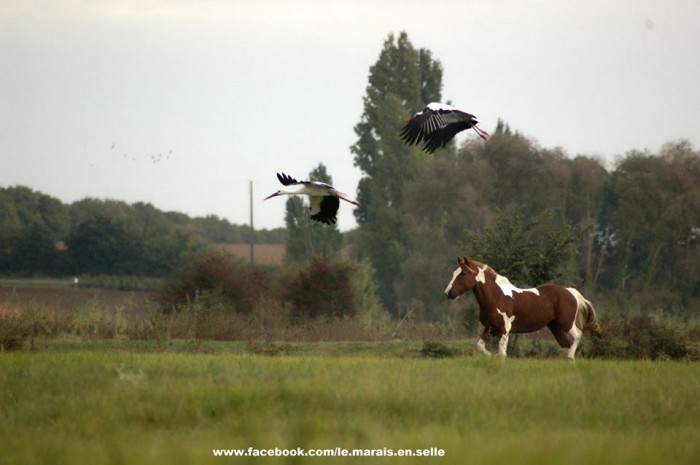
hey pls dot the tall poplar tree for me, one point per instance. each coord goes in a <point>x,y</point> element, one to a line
<point>401,82</point>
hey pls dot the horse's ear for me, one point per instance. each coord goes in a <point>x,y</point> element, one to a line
<point>465,264</point>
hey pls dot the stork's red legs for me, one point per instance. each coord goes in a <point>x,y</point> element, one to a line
<point>483,134</point>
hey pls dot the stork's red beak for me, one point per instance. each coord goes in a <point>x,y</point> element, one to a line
<point>347,199</point>
<point>272,195</point>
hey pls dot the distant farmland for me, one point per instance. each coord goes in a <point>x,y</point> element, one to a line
<point>265,254</point>
<point>66,298</point>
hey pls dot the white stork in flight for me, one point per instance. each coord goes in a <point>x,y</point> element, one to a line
<point>436,125</point>
<point>323,198</point>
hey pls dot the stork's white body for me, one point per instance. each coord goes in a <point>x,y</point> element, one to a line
<point>323,198</point>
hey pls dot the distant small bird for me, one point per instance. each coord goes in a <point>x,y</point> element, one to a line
<point>323,198</point>
<point>436,125</point>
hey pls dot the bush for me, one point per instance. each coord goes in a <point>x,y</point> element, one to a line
<point>438,350</point>
<point>641,336</point>
<point>322,288</point>
<point>18,326</point>
<point>236,284</point>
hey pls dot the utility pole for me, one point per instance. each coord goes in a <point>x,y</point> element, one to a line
<point>252,228</point>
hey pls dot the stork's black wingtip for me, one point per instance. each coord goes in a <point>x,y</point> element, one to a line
<point>285,179</point>
<point>324,219</point>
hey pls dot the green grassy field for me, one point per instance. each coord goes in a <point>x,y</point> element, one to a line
<point>108,404</point>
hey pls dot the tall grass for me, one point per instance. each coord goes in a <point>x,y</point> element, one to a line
<point>24,325</point>
<point>31,315</point>
<point>204,318</point>
<point>103,407</point>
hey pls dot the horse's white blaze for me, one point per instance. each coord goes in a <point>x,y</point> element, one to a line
<point>508,288</point>
<point>503,341</point>
<point>454,276</point>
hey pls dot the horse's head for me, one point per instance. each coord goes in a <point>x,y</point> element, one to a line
<point>464,278</point>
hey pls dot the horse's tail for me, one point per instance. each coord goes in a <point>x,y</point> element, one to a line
<point>585,316</point>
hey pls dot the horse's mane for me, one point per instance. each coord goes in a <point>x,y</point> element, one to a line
<point>487,268</point>
<point>503,282</point>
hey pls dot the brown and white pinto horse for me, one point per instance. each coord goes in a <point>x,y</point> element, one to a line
<point>505,309</point>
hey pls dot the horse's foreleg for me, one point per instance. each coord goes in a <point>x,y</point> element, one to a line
<point>483,341</point>
<point>503,341</point>
<point>503,345</point>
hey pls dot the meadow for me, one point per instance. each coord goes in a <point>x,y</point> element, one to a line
<point>110,402</point>
<point>99,377</point>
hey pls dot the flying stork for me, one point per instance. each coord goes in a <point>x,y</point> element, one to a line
<point>437,124</point>
<point>323,198</point>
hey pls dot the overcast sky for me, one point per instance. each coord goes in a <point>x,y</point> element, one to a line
<point>181,103</point>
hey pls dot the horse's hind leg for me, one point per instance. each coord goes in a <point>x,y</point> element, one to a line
<point>575,335</point>
<point>567,339</point>
<point>559,334</point>
<point>483,342</point>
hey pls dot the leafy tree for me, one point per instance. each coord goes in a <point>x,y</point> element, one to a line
<point>103,245</point>
<point>163,247</point>
<point>449,199</point>
<point>89,208</point>
<point>652,213</point>
<point>23,207</point>
<point>30,225</point>
<point>307,238</point>
<point>34,251</point>
<point>524,173</point>
<point>402,81</point>
<point>527,251</point>
<point>584,201</point>
<point>116,238</point>
<point>10,227</point>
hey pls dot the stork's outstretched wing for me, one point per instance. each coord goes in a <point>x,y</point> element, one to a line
<point>324,209</point>
<point>436,125</point>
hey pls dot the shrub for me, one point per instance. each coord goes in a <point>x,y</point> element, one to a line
<point>640,336</point>
<point>438,350</point>
<point>211,272</point>
<point>322,288</point>
<point>269,348</point>
<point>20,325</point>
<point>364,287</point>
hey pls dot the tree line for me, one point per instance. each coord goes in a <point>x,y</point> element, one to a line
<point>633,228</point>
<point>535,213</point>
<point>40,235</point>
